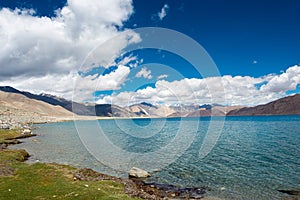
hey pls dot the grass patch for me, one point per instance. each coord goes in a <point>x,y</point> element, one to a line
<point>11,157</point>
<point>4,133</point>
<point>49,181</point>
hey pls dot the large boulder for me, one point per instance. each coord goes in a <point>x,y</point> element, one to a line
<point>138,173</point>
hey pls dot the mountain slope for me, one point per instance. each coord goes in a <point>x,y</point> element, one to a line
<point>285,106</point>
<point>109,110</point>
<point>148,110</point>
<point>105,110</point>
<point>74,107</point>
<point>21,102</point>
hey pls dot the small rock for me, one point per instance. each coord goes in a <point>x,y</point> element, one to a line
<point>138,173</point>
<point>26,131</point>
<point>3,146</point>
<point>5,126</point>
<point>291,191</point>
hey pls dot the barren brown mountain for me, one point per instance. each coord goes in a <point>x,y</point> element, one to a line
<point>23,103</point>
<point>286,106</point>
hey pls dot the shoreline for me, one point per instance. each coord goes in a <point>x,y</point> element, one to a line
<point>90,118</point>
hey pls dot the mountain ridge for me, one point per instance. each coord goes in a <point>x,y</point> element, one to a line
<point>289,105</point>
<point>283,106</point>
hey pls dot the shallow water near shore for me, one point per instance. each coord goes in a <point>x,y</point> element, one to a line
<point>252,159</point>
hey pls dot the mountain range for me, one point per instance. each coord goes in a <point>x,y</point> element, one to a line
<point>57,106</point>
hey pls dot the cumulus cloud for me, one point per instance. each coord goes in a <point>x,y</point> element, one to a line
<point>163,12</point>
<point>40,45</point>
<point>286,81</point>
<point>71,84</point>
<point>226,90</point>
<point>44,53</point>
<point>144,73</point>
<point>111,81</point>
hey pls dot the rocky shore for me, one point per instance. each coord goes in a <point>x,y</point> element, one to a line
<point>136,187</point>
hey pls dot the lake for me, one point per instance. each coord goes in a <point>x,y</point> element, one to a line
<point>236,157</point>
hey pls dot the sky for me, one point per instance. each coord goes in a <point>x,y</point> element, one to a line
<point>248,51</point>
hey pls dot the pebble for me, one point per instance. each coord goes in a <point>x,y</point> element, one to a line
<point>222,188</point>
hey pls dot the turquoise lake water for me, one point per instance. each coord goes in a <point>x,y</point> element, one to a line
<point>251,158</point>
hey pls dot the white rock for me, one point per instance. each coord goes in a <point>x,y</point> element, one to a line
<point>138,173</point>
<point>26,131</point>
<point>5,126</point>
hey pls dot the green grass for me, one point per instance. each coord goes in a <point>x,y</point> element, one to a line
<point>48,181</point>
<point>4,134</point>
<point>9,133</point>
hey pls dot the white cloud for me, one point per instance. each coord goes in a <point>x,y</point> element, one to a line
<point>229,90</point>
<point>111,81</point>
<point>61,86</point>
<point>42,54</point>
<point>71,84</point>
<point>162,76</point>
<point>163,12</point>
<point>37,46</point>
<point>144,73</point>
<point>286,81</point>
<point>105,54</point>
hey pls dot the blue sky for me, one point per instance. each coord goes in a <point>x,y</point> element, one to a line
<point>259,39</point>
<point>235,33</point>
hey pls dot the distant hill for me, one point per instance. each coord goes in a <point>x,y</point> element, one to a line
<point>105,110</point>
<point>23,103</point>
<point>74,107</point>
<point>109,110</point>
<point>148,110</point>
<point>285,106</point>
